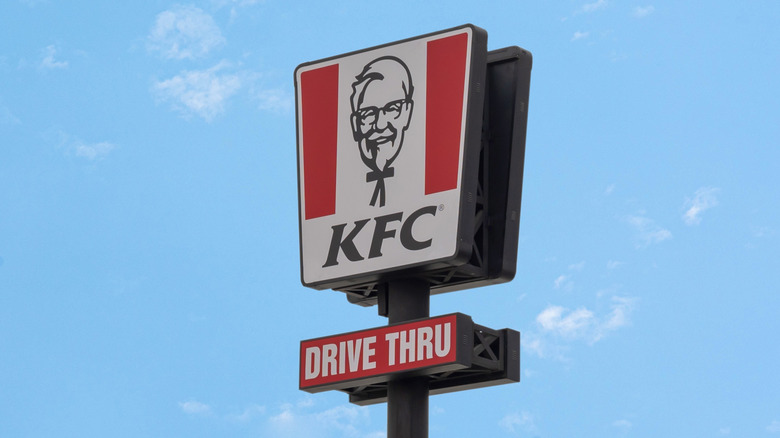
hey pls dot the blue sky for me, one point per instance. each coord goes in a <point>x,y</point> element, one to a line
<point>149,278</point>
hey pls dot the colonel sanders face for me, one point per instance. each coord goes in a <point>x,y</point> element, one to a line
<point>381,110</point>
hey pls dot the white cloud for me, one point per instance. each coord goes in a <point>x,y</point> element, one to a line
<point>48,60</point>
<point>248,414</point>
<point>609,190</point>
<point>343,420</point>
<point>277,100</point>
<point>306,402</point>
<point>595,6</point>
<point>533,343</point>
<point>704,199</point>
<point>580,324</point>
<point>579,35</point>
<point>724,430</point>
<point>618,316</point>
<point>577,266</point>
<point>573,325</point>
<point>202,92</point>
<point>622,425</point>
<point>93,151</point>
<point>517,422</point>
<point>184,32</point>
<point>234,5</point>
<point>773,427</point>
<point>643,11</point>
<point>648,232</point>
<point>601,293</point>
<point>7,117</point>
<point>76,146</point>
<point>614,264</point>
<point>284,417</point>
<point>221,3</point>
<point>195,408</point>
<point>561,282</point>
<point>543,345</point>
<point>762,232</point>
<point>616,56</point>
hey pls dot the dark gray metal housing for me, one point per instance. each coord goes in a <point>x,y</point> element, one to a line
<point>499,186</point>
<point>495,360</point>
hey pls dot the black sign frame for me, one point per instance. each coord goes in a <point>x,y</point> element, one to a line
<point>469,175</point>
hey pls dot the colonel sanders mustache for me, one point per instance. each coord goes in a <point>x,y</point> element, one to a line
<point>378,150</point>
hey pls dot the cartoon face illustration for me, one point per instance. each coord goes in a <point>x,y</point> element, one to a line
<point>382,105</point>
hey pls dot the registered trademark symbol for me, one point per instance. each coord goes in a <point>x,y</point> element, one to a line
<point>441,207</point>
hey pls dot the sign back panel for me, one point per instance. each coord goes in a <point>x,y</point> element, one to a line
<point>387,138</point>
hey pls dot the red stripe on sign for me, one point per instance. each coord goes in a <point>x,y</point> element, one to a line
<point>444,111</point>
<point>319,118</point>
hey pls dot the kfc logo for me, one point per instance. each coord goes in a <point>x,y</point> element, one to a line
<point>381,111</point>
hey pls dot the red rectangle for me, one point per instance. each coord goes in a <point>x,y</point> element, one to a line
<point>319,120</point>
<point>446,79</point>
<point>379,351</point>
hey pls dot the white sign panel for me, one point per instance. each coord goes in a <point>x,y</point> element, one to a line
<point>381,140</point>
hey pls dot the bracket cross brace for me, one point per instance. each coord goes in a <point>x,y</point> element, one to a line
<point>495,360</point>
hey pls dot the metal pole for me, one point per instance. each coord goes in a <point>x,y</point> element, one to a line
<point>407,399</point>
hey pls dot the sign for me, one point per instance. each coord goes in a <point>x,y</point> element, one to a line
<point>371,356</point>
<point>388,142</point>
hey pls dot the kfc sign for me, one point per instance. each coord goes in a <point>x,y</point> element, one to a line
<point>366,357</point>
<point>388,142</point>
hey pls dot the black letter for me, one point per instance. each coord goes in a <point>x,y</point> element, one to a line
<point>407,240</point>
<point>381,233</point>
<point>347,245</point>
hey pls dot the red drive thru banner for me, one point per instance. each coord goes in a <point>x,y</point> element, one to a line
<point>386,141</point>
<point>428,346</point>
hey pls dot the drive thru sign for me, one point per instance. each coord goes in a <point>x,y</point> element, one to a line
<point>370,356</point>
<point>383,135</point>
